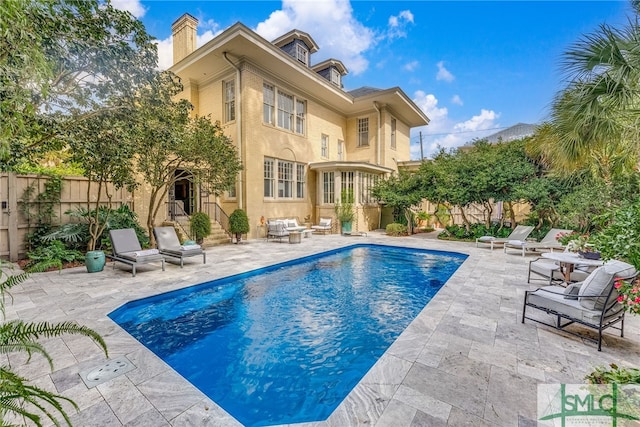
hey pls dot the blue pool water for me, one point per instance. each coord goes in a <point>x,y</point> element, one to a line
<point>287,343</point>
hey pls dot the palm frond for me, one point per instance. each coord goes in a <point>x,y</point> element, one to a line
<point>17,331</point>
<point>20,398</point>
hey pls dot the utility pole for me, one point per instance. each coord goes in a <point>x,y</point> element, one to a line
<point>421,152</point>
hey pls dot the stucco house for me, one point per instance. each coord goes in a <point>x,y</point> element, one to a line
<point>302,138</point>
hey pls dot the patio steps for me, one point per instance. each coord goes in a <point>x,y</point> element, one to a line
<point>217,237</point>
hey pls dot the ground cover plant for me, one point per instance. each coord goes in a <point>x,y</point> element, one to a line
<point>21,401</point>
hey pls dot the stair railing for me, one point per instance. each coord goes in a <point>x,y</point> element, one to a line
<point>218,214</point>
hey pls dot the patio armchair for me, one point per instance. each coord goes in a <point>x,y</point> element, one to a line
<point>323,227</point>
<point>276,230</point>
<point>521,232</point>
<point>548,242</point>
<point>592,303</point>
<point>127,250</point>
<point>169,245</point>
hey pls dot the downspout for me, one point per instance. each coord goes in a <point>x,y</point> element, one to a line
<point>375,105</point>
<point>238,127</point>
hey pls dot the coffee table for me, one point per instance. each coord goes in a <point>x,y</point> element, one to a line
<point>568,260</point>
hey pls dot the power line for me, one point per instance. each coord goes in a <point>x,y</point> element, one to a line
<point>463,131</point>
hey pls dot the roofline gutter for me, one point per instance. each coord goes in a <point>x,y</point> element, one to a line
<point>238,90</point>
<point>375,105</point>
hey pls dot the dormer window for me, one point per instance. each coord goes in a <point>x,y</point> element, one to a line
<point>335,76</point>
<point>302,54</point>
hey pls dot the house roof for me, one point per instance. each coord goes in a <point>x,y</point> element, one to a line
<point>238,44</point>
<point>329,63</point>
<point>349,166</point>
<point>297,34</point>
<point>512,133</point>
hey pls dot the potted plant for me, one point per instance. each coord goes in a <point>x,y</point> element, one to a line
<point>344,211</point>
<point>238,224</point>
<point>200,225</point>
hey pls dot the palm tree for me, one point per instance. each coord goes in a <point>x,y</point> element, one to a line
<point>595,119</point>
<point>17,397</point>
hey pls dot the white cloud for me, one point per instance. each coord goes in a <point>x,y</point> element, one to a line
<point>411,66</point>
<point>132,6</point>
<point>442,132</point>
<point>457,100</point>
<point>165,47</point>
<point>443,73</point>
<point>483,121</point>
<point>398,24</point>
<point>165,53</point>
<point>316,18</point>
<point>429,104</point>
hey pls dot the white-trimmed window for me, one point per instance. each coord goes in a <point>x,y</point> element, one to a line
<point>366,182</point>
<point>269,177</point>
<point>285,111</point>
<point>229,101</point>
<point>285,179</point>
<point>302,54</point>
<point>335,76</point>
<point>393,133</point>
<point>346,187</point>
<point>324,146</point>
<point>328,187</point>
<point>269,104</point>
<point>363,132</point>
<point>231,192</point>
<point>290,182</point>
<point>300,180</point>
<point>340,150</point>
<point>300,112</point>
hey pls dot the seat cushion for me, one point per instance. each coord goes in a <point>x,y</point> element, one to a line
<point>620,268</point>
<point>553,298</point>
<point>596,287</point>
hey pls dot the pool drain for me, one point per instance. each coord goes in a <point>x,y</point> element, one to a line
<point>112,369</point>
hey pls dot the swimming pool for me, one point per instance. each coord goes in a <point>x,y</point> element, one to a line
<point>287,343</point>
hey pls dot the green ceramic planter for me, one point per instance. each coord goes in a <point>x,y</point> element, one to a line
<point>94,261</point>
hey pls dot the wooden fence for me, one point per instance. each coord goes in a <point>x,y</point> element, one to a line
<point>15,225</point>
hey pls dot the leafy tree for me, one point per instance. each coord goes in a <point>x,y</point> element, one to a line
<point>400,192</point>
<point>171,145</point>
<point>594,120</point>
<point>17,396</point>
<point>61,62</point>
<point>104,146</point>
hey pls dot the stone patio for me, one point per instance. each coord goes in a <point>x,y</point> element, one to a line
<point>466,360</point>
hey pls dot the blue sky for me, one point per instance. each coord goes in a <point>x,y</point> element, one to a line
<point>474,67</point>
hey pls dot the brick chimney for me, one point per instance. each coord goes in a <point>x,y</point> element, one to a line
<point>184,36</point>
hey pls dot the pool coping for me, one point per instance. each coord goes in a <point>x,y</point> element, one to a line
<point>452,344</point>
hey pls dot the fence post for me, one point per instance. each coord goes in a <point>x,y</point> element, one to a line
<point>12,196</point>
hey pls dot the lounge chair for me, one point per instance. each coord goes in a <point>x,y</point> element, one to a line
<point>169,245</point>
<point>519,233</point>
<point>323,227</point>
<point>548,242</point>
<point>127,250</point>
<point>276,230</point>
<point>592,303</point>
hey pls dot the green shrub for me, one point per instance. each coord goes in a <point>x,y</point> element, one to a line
<point>51,254</point>
<point>460,232</point>
<point>395,229</point>
<point>76,234</point>
<point>613,374</point>
<point>238,223</point>
<point>620,239</point>
<point>200,225</point>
